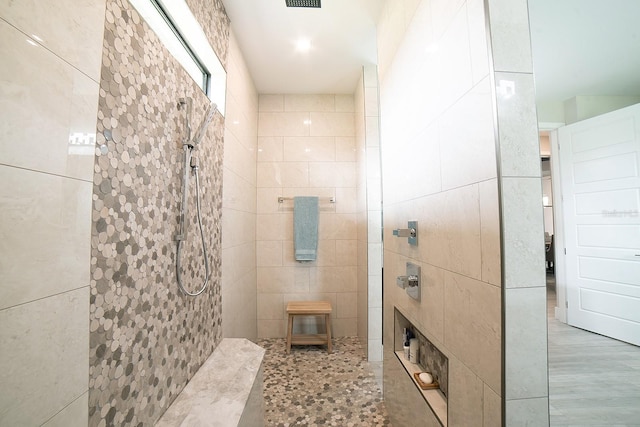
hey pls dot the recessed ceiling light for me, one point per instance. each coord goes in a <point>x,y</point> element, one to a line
<point>303,45</point>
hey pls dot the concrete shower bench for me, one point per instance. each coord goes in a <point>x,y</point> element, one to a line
<point>226,391</point>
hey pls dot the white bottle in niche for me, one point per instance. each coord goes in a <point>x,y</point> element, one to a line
<point>414,350</point>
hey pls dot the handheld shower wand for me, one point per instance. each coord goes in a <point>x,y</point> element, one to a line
<point>202,129</point>
<point>191,164</point>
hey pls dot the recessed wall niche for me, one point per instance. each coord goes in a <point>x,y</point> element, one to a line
<point>430,359</point>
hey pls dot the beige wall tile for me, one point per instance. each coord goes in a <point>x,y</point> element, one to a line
<point>238,261</point>
<point>492,408</point>
<point>295,174</point>
<point>283,174</point>
<point>59,107</point>
<point>432,309</point>
<point>346,252</point>
<point>347,306</point>
<point>478,39</point>
<point>269,253</point>
<point>308,149</point>
<point>337,226</point>
<point>449,229</point>
<point>332,124</point>
<point>283,124</point>
<point>271,103</point>
<point>345,149</point>
<point>326,252</point>
<point>346,200</point>
<point>335,174</point>
<point>237,192</point>
<point>239,314</point>
<point>344,327</point>
<point>41,217</point>
<point>333,279</point>
<point>240,159</point>
<point>465,395</point>
<point>271,307</point>
<point>72,29</point>
<point>241,228</point>
<point>268,199</point>
<point>272,328</point>
<point>344,104</point>
<point>472,329</point>
<point>490,232</point>
<point>444,12</point>
<point>270,149</point>
<point>270,227</point>
<point>277,280</point>
<point>467,139</point>
<point>269,174</point>
<point>75,414</point>
<point>294,102</point>
<point>455,74</point>
<point>35,361</point>
<point>400,397</point>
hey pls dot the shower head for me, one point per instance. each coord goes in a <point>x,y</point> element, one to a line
<point>202,129</point>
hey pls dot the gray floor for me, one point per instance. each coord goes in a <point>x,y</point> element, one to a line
<point>593,380</point>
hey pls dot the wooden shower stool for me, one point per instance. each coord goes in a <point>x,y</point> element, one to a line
<point>309,308</point>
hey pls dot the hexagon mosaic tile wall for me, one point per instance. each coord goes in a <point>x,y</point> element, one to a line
<point>146,338</point>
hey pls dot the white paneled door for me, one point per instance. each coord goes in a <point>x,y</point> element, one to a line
<point>600,173</point>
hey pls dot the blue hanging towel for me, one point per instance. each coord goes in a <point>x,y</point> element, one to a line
<point>305,228</point>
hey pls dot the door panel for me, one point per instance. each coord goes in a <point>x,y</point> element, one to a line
<point>600,179</point>
<point>608,133</point>
<point>608,236</point>
<point>612,167</point>
<point>608,201</point>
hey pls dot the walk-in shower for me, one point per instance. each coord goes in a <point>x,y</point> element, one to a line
<point>191,165</point>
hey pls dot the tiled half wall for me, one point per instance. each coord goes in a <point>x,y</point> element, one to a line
<point>147,339</point>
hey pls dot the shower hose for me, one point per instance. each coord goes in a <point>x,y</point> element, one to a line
<point>194,167</point>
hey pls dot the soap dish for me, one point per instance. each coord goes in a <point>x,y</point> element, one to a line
<point>424,386</point>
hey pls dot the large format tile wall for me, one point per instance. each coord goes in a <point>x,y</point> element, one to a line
<point>147,339</point>
<point>49,83</point>
<point>439,163</point>
<point>369,193</point>
<point>239,200</point>
<point>306,147</point>
<point>526,391</point>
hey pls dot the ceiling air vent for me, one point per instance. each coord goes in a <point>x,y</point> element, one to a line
<point>302,3</point>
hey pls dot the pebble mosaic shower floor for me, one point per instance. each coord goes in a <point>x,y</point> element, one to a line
<point>310,387</point>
